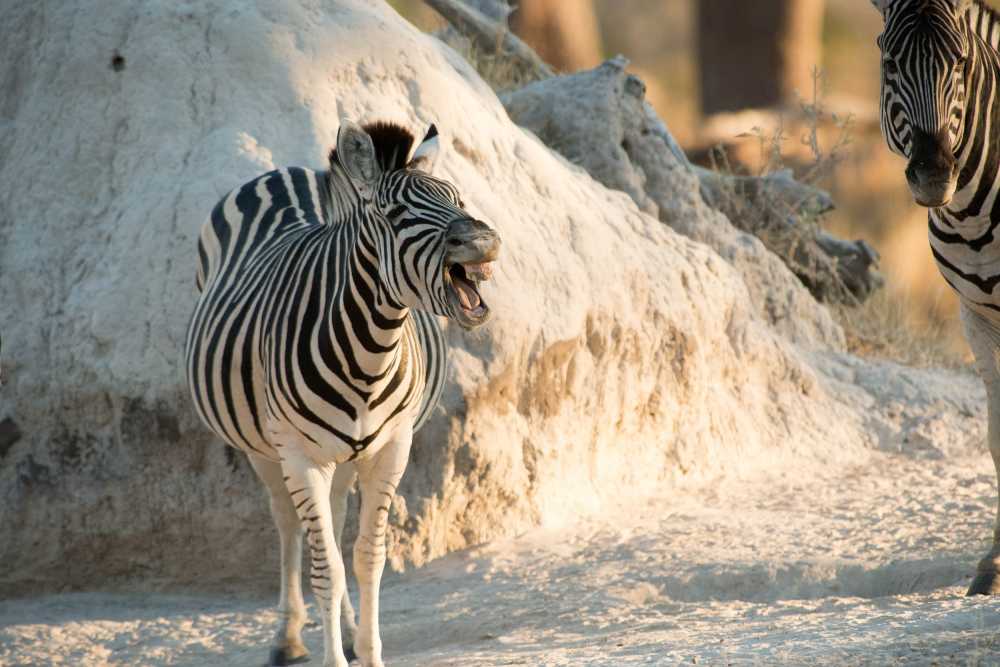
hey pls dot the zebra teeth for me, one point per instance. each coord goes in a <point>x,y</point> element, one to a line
<point>480,271</point>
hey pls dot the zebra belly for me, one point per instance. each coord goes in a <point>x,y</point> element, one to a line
<point>325,446</point>
<point>274,423</point>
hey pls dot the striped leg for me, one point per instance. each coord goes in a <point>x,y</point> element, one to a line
<point>288,648</point>
<point>308,484</point>
<point>378,478</point>
<point>984,339</point>
<point>343,478</point>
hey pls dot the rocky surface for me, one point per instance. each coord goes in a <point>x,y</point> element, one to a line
<point>864,563</point>
<point>624,358</point>
<point>599,120</point>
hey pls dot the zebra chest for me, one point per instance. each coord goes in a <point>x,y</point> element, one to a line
<point>969,260</point>
<point>338,422</point>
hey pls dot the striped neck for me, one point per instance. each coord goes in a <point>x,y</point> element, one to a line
<point>341,201</point>
<point>363,327</point>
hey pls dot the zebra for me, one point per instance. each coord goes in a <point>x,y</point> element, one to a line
<point>939,110</point>
<point>314,348</point>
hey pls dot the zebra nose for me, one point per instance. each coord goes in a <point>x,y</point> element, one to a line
<point>920,172</point>
<point>931,160</point>
<point>473,239</point>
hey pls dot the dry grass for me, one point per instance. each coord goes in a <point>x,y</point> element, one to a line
<point>502,72</point>
<point>884,327</point>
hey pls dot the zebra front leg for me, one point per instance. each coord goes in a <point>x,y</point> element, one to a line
<point>377,479</point>
<point>984,339</point>
<point>343,478</point>
<point>288,648</point>
<point>987,580</point>
<point>308,484</point>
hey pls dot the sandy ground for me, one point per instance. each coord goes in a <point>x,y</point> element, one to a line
<point>862,565</point>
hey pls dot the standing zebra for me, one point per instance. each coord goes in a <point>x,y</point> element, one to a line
<point>314,349</point>
<point>939,109</point>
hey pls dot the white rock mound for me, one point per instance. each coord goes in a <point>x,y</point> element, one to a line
<point>623,356</point>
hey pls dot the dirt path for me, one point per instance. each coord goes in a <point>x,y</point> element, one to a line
<point>865,565</point>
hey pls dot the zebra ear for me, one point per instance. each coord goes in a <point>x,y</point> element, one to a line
<point>881,5</point>
<point>356,153</point>
<point>425,157</point>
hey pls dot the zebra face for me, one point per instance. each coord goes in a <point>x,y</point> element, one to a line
<point>440,251</point>
<point>925,50</point>
<point>432,254</point>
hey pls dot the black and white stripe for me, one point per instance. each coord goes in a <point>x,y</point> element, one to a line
<point>315,349</point>
<point>940,69</point>
<point>296,302</point>
<point>939,109</point>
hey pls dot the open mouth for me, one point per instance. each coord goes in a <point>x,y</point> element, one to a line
<point>463,282</point>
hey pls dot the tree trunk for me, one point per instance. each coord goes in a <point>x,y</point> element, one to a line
<point>757,54</point>
<point>567,39</point>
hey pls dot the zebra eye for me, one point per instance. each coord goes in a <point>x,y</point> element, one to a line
<point>889,66</point>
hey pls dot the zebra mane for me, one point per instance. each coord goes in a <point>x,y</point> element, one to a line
<point>392,145</point>
<point>984,21</point>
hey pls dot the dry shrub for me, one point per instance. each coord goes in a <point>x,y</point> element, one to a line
<point>785,213</point>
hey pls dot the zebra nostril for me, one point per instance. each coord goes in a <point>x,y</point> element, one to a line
<point>454,242</point>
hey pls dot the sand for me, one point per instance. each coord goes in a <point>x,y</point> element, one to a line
<point>864,564</point>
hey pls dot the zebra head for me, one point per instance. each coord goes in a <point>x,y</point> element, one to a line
<point>431,253</point>
<point>926,52</point>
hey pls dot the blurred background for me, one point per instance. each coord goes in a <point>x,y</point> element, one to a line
<point>725,73</point>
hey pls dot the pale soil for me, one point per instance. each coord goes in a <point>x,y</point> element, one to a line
<point>865,565</point>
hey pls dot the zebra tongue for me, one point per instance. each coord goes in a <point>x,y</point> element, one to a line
<point>467,295</point>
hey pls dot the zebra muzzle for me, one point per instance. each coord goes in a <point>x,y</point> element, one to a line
<point>472,247</point>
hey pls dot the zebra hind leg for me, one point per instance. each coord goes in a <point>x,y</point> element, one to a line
<point>288,648</point>
<point>343,478</point>
<point>309,485</point>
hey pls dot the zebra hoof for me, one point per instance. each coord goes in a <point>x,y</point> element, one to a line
<point>288,656</point>
<point>985,583</point>
<point>350,654</point>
